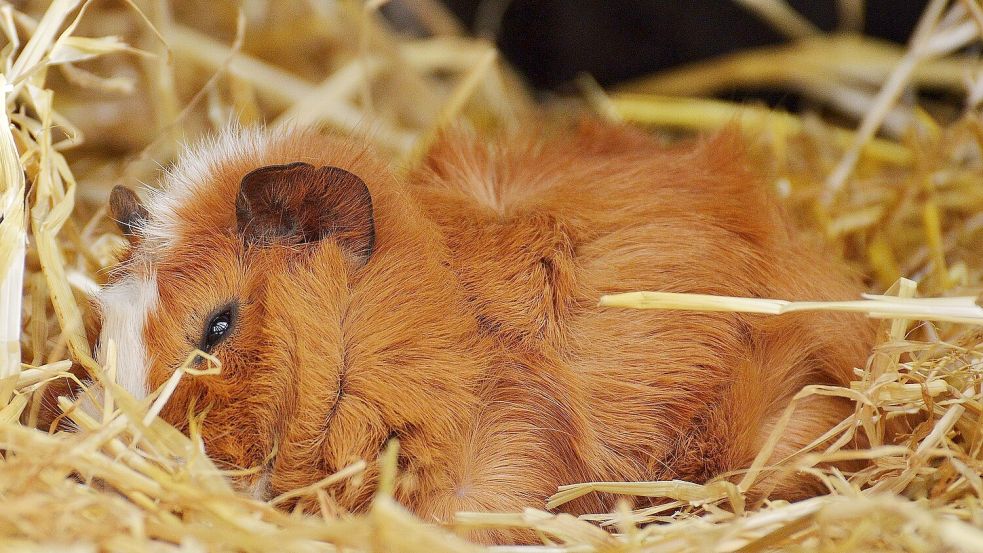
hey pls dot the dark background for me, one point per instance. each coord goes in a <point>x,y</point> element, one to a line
<point>551,41</point>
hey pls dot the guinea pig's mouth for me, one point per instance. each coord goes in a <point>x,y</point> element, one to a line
<point>53,417</point>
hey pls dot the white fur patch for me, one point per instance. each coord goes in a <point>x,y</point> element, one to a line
<point>260,490</point>
<point>194,170</point>
<point>125,308</point>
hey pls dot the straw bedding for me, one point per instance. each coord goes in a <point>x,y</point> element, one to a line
<point>100,94</point>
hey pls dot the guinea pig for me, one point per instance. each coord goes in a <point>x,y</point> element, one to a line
<point>456,308</point>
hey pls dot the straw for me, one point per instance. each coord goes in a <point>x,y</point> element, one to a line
<point>953,309</point>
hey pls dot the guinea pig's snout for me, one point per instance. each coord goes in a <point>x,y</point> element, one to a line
<point>125,306</point>
<point>126,364</point>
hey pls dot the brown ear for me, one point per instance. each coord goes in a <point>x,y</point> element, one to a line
<point>128,212</point>
<point>297,203</point>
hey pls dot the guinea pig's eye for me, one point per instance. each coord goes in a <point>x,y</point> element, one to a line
<point>218,328</point>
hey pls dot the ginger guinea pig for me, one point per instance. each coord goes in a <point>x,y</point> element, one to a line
<point>456,309</point>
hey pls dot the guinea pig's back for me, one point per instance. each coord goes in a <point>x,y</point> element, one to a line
<point>539,230</point>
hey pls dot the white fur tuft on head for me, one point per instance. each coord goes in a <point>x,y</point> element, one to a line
<point>194,169</point>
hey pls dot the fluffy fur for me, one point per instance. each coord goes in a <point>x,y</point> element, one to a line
<point>472,332</point>
<point>125,306</point>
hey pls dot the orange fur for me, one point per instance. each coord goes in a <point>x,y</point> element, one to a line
<point>472,332</point>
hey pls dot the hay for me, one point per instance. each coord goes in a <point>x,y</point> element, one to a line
<point>903,202</point>
<point>951,309</point>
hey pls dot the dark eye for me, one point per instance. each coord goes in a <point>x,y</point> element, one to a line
<point>218,328</point>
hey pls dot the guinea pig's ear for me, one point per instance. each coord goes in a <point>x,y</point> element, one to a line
<point>128,212</point>
<point>299,204</point>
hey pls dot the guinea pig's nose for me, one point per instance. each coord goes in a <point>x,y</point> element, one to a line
<point>50,412</point>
